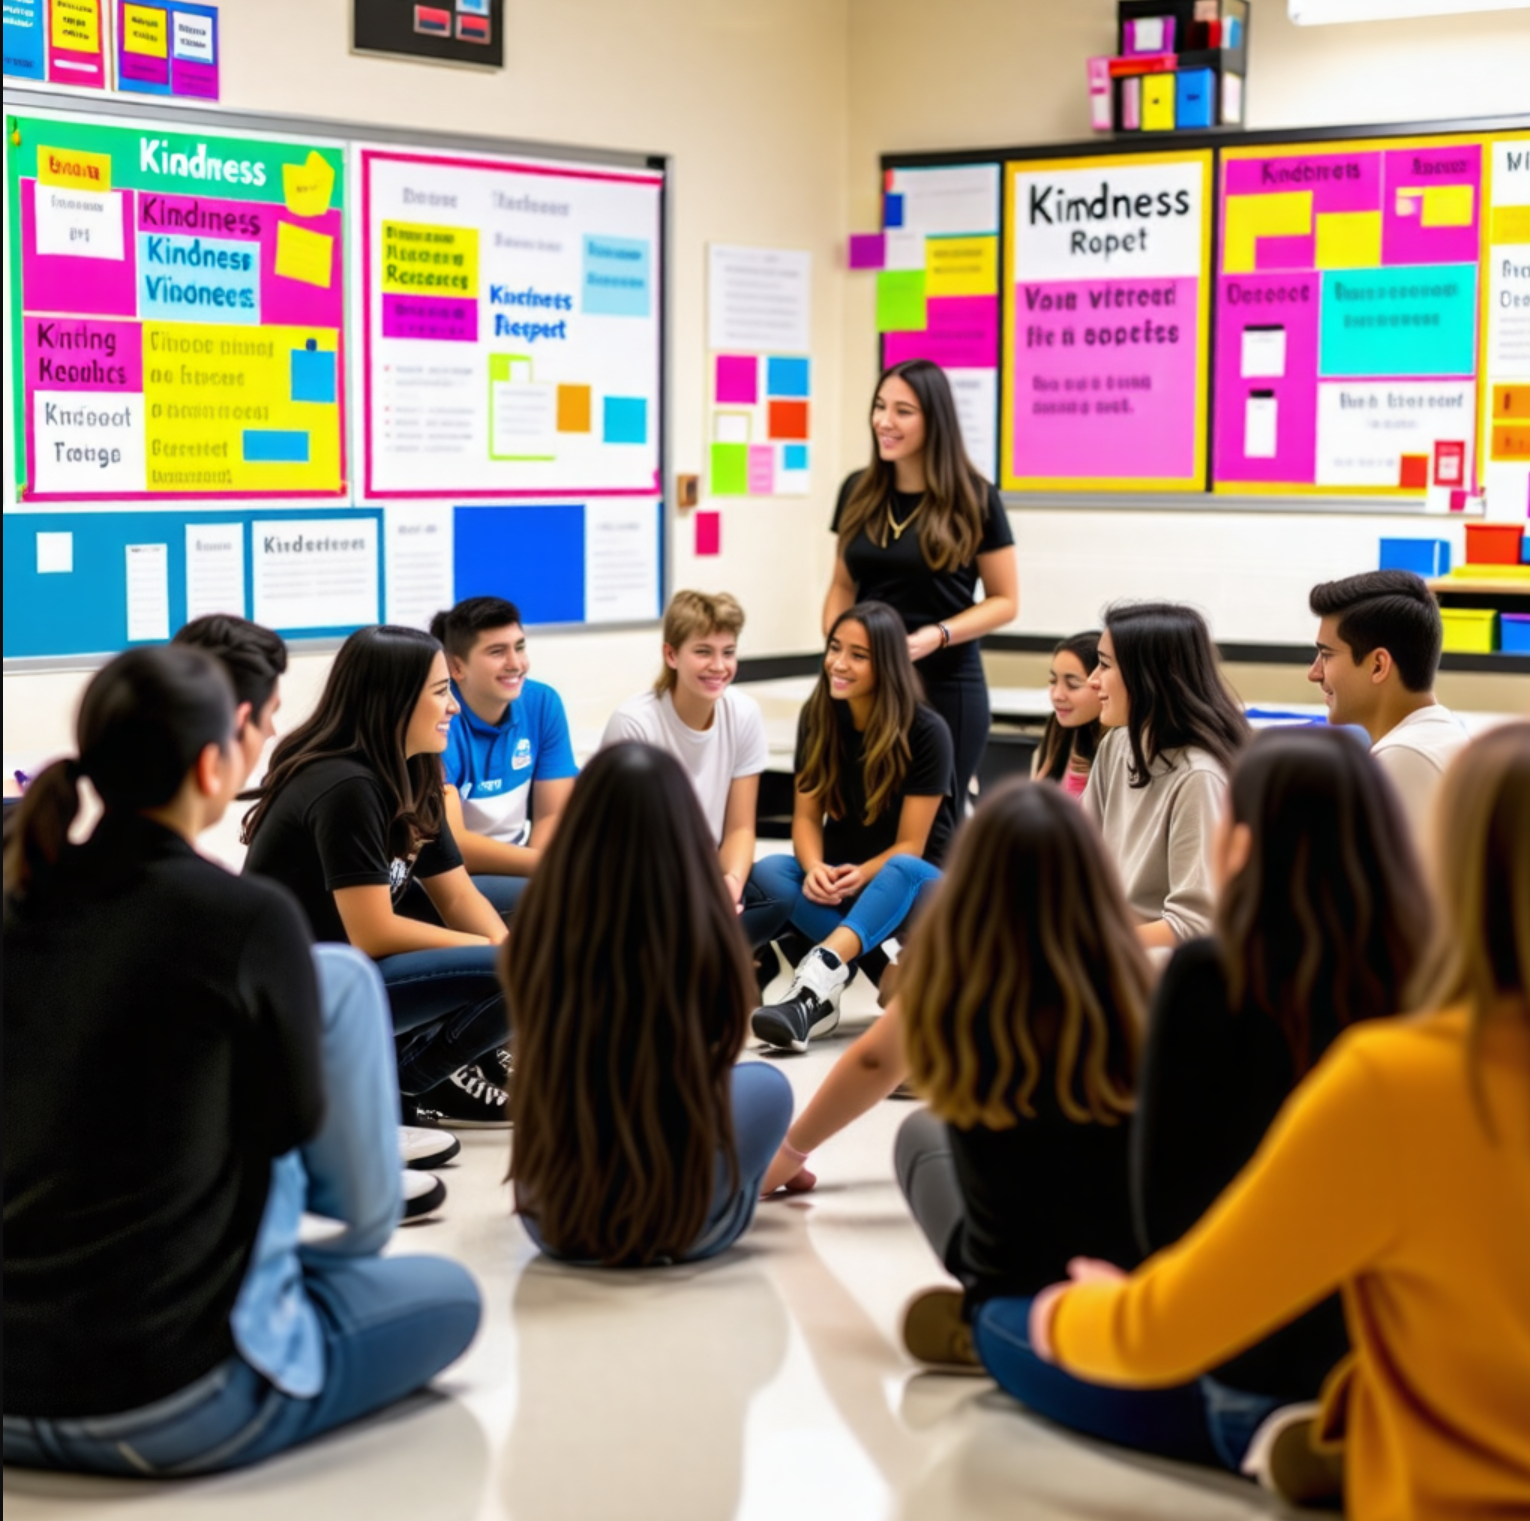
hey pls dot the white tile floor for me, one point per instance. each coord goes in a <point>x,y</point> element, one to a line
<point>767,1385</point>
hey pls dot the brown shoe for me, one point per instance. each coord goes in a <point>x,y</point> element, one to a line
<point>935,1333</point>
<point>1286,1458</point>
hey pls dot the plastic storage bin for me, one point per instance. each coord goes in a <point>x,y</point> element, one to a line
<point>1493,543</point>
<point>1425,557</point>
<point>1514,635</point>
<point>1470,630</point>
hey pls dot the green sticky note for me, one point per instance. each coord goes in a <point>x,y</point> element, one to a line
<point>900,300</point>
<point>730,469</point>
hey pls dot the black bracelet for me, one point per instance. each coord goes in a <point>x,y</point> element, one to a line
<point>945,634</point>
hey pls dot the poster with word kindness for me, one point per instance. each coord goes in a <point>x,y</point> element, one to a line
<point>512,322</point>
<point>1106,295</point>
<point>180,298</point>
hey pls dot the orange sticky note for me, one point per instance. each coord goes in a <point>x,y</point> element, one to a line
<point>788,419</point>
<point>573,409</point>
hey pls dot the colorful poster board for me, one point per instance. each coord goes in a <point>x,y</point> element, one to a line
<point>61,41</point>
<point>1107,286</point>
<point>1505,432</point>
<point>170,48</point>
<point>761,425</point>
<point>178,305</point>
<point>512,327</point>
<point>1348,318</point>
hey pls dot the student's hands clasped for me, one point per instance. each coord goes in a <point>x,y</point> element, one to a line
<point>833,884</point>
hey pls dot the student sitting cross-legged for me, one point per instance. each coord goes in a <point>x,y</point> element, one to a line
<point>637,1140</point>
<point>874,811</point>
<point>185,1076</point>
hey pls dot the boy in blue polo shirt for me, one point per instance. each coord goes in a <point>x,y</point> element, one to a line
<point>509,764</point>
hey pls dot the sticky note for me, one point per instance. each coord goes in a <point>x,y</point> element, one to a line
<point>1511,224</point>
<point>904,249</point>
<point>1286,214</point>
<point>1408,202</point>
<point>762,470</point>
<point>900,301</point>
<point>146,30</point>
<point>625,420</point>
<point>788,419</point>
<point>1449,462</point>
<point>730,427</point>
<point>892,210</point>
<point>1259,418</point>
<point>1264,353</point>
<point>307,187</point>
<point>737,379</point>
<point>867,250</point>
<point>786,377</point>
<point>1158,103</point>
<point>573,409</point>
<point>730,470</point>
<point>1348,239</point>
<point>55,554</point>
<point>961,266</point>
<point>304,255</point>
<point>794,457</point>
<point>76,25</point>
<point>276,446</point>
<point>74,168</point>
<point>709,533</point>
<point>1413,471</point>
<point>1447,206</point>
<point>313,374</point>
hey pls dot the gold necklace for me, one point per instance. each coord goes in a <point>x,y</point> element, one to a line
<point>895,525</point>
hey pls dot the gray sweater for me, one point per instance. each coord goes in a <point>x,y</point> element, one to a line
<point>1159,835</point>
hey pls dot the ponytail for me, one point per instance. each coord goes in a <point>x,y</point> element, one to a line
<point>37,829</point>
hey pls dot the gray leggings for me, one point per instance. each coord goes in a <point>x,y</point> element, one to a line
<point>927,1175</point>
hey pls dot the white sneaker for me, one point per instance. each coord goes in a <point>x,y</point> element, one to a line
<point>811,1004</point>
<point>424,1193</point>
<point>419,1146</point>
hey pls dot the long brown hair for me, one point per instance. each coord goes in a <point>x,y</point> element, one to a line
<point>1060,745</point>
<point>1323,924</point>
<point>885,750</point>
<point>951,513</point>
<point>1025,968</point>
<point>628,986</point>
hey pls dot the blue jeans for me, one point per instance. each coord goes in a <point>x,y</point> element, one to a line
<point>1199,1422</point>
<point>448,1009</point>
<point>766,912</point>
<point>762,1114</point>
<point>502,892</point>
<point>873,915</point>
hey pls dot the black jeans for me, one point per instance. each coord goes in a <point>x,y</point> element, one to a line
<point>961,698</point>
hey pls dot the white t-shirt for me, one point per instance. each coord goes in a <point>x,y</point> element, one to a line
<point>734,746</point>
<point>1415,754</point>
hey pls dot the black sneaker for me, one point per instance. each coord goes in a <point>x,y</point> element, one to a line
<point>811,1005</point>
<point>467,1100</point>
<point>496,1066</point>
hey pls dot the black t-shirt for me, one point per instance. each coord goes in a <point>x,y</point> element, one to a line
<point>161,1049</point>
<point>898,574</point>
<point>1213,1080</point>
<point>327,829</point>
<point>931,773</point>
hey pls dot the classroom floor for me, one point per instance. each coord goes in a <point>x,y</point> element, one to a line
<point>768,1384</point>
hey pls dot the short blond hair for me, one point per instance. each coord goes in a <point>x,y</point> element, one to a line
<point>692,614</point>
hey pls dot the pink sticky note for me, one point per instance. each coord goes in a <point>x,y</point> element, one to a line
<point>738,378</point>
<point>1458,501</point>
<point>762,469</point>
<point>709,533</point>
<point>868,250</point>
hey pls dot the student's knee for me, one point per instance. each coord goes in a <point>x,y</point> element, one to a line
<point>777,876</point>
<point>920,1136</point>
<point>446,1294</point>
<point>762,1113</point>
<point>350,985</point>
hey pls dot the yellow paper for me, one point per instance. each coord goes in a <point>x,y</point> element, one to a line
<point>1158,103</point>
<point>1447,206</point>
<point>146,30</point>
<point>961,266</point>
<point>76,25</point>
<point>1348,239</point>
<point>420,259</point>
<point>1511,224</point>
<point>304,255</point>
<point>1286,214</point>
<point>75,168</point>
<point>307,187</point>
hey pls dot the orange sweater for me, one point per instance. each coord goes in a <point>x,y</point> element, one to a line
<point>1378,1178</point>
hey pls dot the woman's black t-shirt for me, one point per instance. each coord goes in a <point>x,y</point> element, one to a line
<point>931,773</point>
<point>898,574</point>
<point>327,829</point>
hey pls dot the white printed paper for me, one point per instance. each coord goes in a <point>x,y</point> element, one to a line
<point>956,200</point>
<point>976,394</point>
<point>759,299</point>
<point>148,592</point>
<point>1264,353</point>
<point>1147,34</point>
<point>79,223</point>
<point>214,569</point>
<point>1259,426</point>
<point>1365,427</point>
<point>904,249</point>
<point>417,558</point>
<point>621,562</point>
<point>55,554</point>
<point>315,573</point>
<point>88,441</point>
<point>193,37</point>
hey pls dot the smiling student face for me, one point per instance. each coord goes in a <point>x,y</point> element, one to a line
<point>897,420</point>
<point>430,725</point>
<point>1351,690</point>
<point>848,662</point>
<point>1074,701</point>
<point>494,672</point>
<point>1106,683</point>
<point>705,665</point>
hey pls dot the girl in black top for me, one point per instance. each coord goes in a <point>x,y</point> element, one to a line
<point>350,811</point>
<point>919,528</point>
<point>871,821</point>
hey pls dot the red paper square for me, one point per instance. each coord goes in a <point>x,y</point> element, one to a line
<point>788,419</point>
<point>1449,463</point>
<point>709,533</point>
<point>1414,473</point>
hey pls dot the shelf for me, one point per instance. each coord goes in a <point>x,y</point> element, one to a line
<point>1453,586</point>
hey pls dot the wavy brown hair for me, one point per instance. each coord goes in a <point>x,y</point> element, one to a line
<point>951,513</point>
<point>1323,924</point>
<point>886,753</point>
<point>629,987</point>
<point>1025,970</point>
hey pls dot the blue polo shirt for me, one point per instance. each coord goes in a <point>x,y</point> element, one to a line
<point>492,766</point>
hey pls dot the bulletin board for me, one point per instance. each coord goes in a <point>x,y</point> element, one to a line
<point>322,376</point>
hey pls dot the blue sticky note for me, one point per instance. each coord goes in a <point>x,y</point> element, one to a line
<point>1192,98</point>
<point>617,282</point>
<point>794,456</point>
<point>625,420</point>
<point>276,446</point>
<point>892,210</point>
<point>1410,319</point>
<point>24,39</point>
<point>313,374</point>
<point>786,377</point>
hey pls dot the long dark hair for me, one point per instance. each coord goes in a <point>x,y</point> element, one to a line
<point>371,693</point>
<point>1025,969</point>
<point>143,721</point>
<point>1175,691</point>
<point>1059,745</point>
<point>885,750</point>
<point>1325,922</point>
<point>951,514</point>
<point>628,985</point>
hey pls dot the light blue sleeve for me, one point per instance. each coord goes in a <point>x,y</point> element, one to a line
<point>555,750</point>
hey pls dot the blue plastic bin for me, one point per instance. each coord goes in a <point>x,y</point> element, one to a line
<point>1425,557</point>
<point>1514,634</point>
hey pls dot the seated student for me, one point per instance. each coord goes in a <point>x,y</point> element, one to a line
<point>637,1140</point>
<point>254,659</point>
<point>1072,735</point>
<point>160,1318</point>
<point>1160,774</point>
<point>1320,916</point>
<point>716,732</point>
<point>1023,997</point>
<point>350,810</point>
<point>1398,1174</point>
<point>874,811</point>
<point>509,764</point>
<point>1378,648</point>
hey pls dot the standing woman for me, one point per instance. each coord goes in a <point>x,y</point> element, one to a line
<point>919,528</point>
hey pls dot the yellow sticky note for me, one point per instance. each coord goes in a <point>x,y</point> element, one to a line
<point>75,25</point>
<point>1286,214</point>
<point>304,255</point>
<point>75,168</point>
<point>1158,103</point>
<point>146,30</point>
<point>308,186</point>
<point>1447,206</point>
<point>1348,239</point>
<point>961,266</point>
<point>422,259</point>
<point>1511,224</point>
